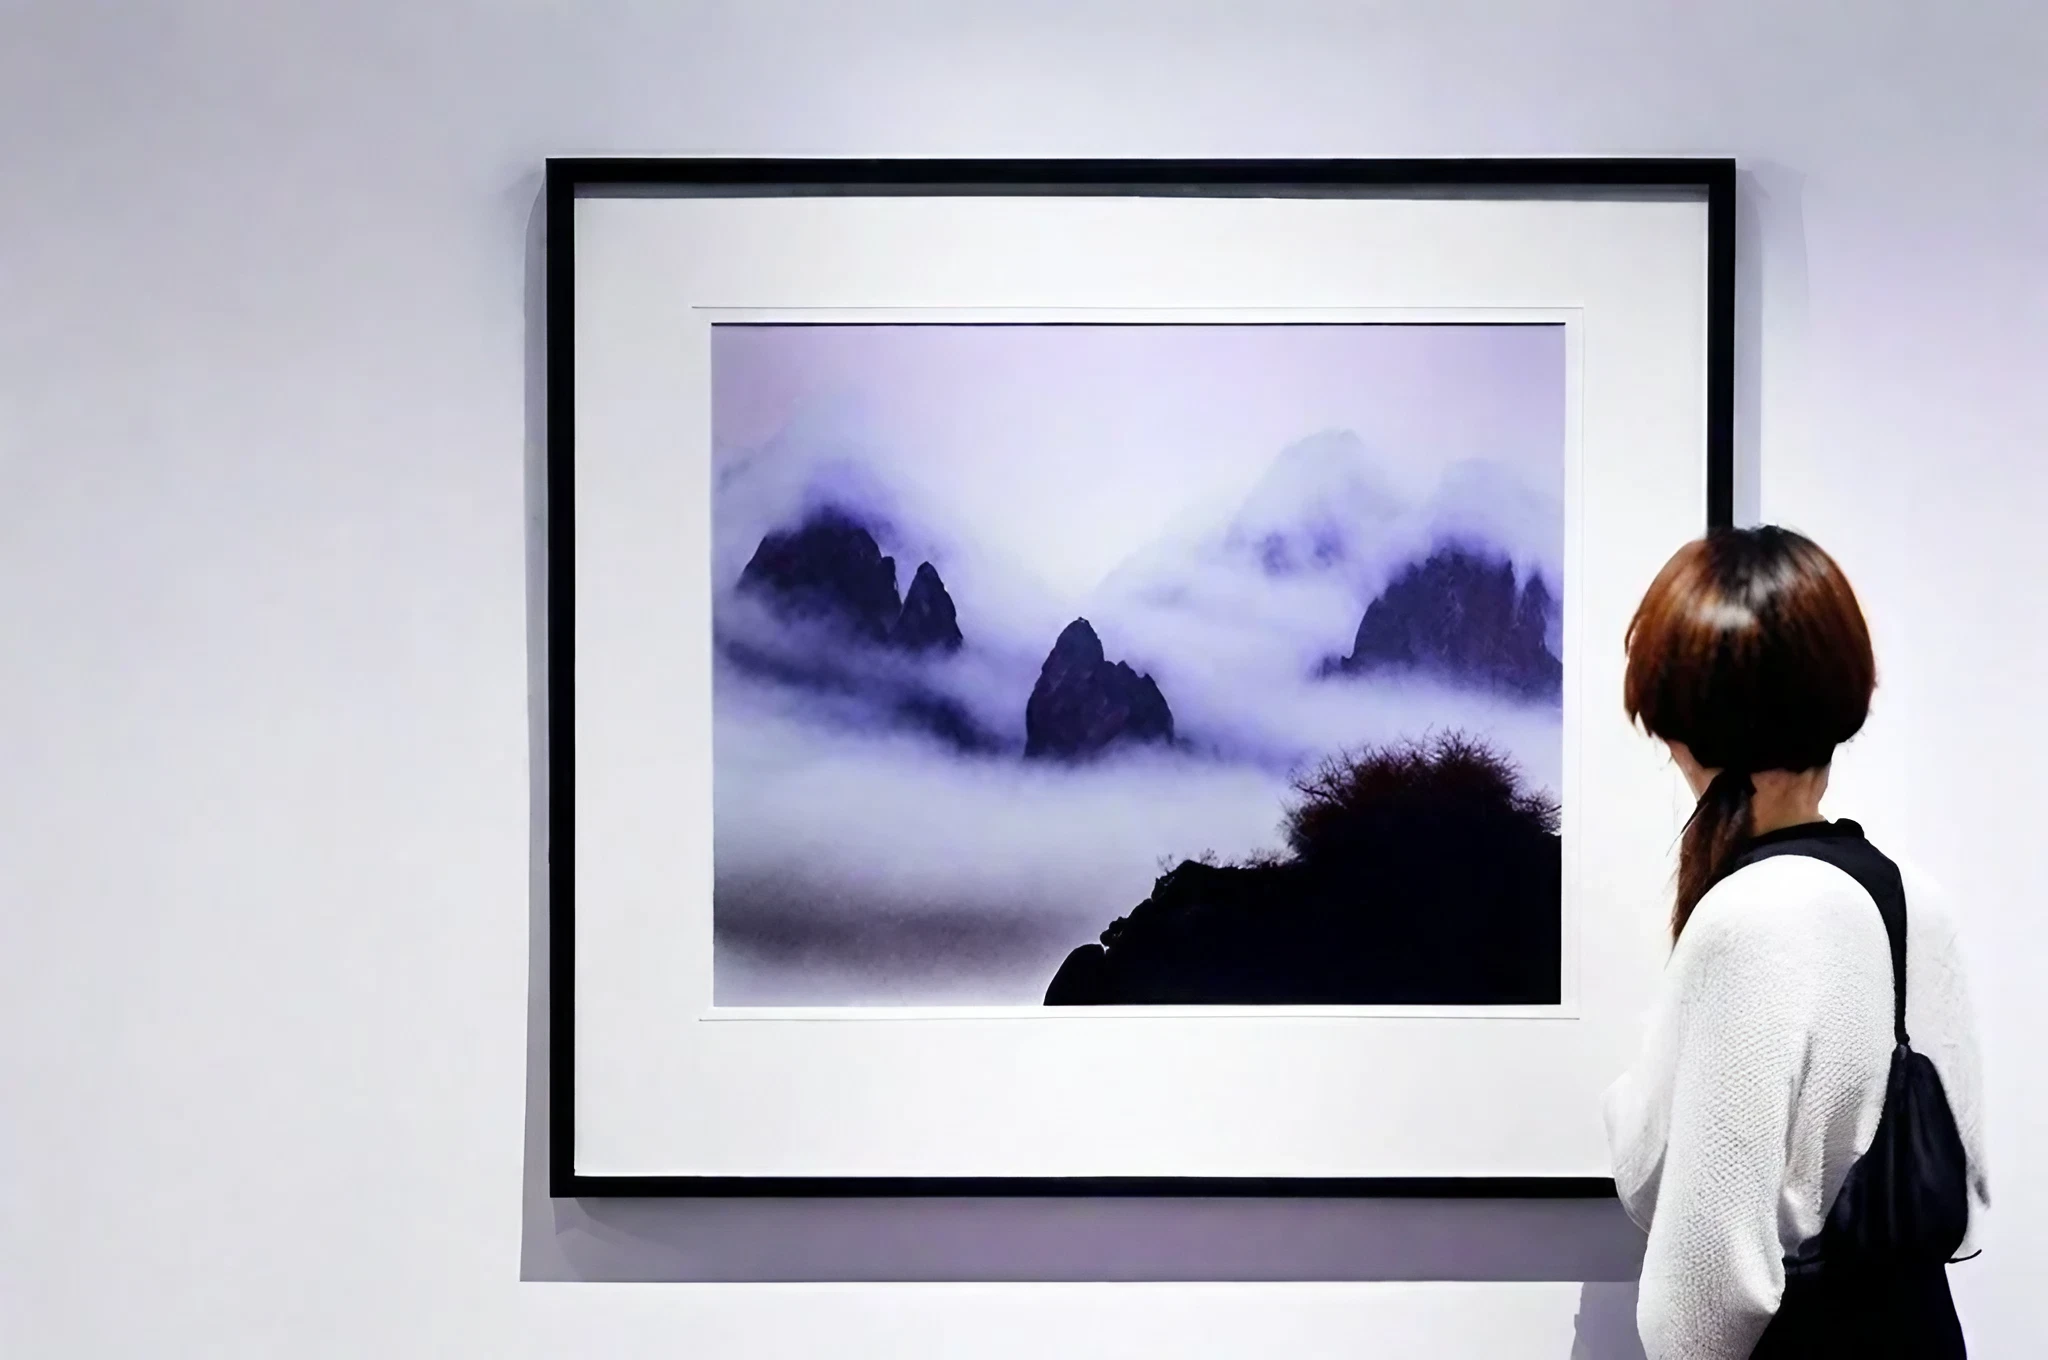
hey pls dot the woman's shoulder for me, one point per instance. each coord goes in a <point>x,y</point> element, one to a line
<point>1780,907</point>
<point>1781,921</point>
<point>1774,897</point>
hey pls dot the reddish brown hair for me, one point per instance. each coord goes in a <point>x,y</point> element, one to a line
<point>1750,649</point>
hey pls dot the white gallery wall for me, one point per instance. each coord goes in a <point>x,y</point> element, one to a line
<point>265,403</point>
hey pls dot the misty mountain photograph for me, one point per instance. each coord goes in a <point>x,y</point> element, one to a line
<point>1137,664</point>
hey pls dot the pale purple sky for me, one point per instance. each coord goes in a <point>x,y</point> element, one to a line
<point>1115,431</point>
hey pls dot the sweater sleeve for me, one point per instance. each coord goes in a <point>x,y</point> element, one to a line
<point>1713,1272</point>
<point>1634,1110</point>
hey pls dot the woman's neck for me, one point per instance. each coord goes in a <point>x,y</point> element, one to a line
<point>1786,798</point>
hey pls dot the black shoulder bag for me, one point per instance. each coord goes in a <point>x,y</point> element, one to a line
<point>1874,1282</point>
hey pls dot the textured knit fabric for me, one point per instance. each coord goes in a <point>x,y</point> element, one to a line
<point>1760,1083</point>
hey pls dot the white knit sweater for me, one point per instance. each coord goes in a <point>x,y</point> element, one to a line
<point>1760,1083</point>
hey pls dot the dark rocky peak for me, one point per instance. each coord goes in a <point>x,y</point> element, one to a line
<point>1536,609</point>
<point>1458,615</point>
<point>830,569</point>
<point>1083,704</point>
<point>929,622</point>
<point>1076,647</point>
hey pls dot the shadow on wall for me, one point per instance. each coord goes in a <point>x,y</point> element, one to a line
<point>1770,247</point>
<point>1003,1239</point>
<point>1606,1325</point>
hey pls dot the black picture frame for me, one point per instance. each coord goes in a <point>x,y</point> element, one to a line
<point>568,178</point>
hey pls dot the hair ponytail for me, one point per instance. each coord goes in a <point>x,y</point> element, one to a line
<point>1720,825</point>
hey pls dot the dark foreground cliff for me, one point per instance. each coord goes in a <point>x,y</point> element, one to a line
<point>1418,875</point>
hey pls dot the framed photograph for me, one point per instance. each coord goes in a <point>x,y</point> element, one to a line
<point>1082,677</point>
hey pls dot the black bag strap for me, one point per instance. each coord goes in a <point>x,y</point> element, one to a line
<point>1842,844</point>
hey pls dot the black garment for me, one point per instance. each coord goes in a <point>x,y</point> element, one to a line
<point>1873,1283</point>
